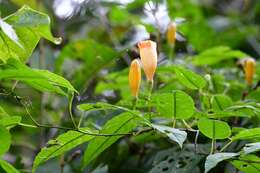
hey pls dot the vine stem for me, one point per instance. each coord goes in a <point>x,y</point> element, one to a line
<point>225,146</point>
<point>70,110</point>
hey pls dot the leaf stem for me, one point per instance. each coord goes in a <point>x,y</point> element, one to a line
<point>225,146</point>
<point>70,110</point>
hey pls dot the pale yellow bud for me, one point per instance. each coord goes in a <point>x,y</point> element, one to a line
<point>249,68</point>
<point>134,77</point>
<point>171,33</point>
<point>148,55</point>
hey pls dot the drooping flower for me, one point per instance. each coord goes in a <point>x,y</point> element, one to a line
<point>171,33</point>
<point>134,77</point>
<point>249,68</point>
<point>148,55</point>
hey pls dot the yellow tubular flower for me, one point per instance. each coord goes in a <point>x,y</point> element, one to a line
<point>134,77</point>
<point>171,33</point>
<point>249,68</point>
<point>148,55</point>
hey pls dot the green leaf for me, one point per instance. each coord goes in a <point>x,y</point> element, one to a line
<point>60,145</point>
<point>252,147</point>
<point>42,80</point>
<point>94,56</point>
<point>177,104</point>
<point>10,121</point>
<point>5,140</point>
<point>29,26</point>
<point>214,129</point>
<point>213,159</point>
<point>122,123</point>
<point>247,134</point>
<point>188,78</point>
<point>175,135</point>
<point>216,54</point>
<point>221,102</point>
<point>7,167</point>
<point>3,113</point>
<point>246,164</point>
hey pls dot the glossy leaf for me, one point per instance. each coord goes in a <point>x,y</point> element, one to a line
<point>5,140</point>
<point>189,78</point>
<point>251,147</point>
<point>60,145</point>
<point>214,128</point>
<point>175,135</point>
<point>221,102</point>
<point>247,134</point>
<point>122,123</point>
<point>42,80</point>
<point>29,26</point>
<point>10,121</point>
<point>246,164</point>
<point>7,167</point>
<point>213,159</point>
<point>176,104</point>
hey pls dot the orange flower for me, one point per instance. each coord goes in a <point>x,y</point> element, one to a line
<point>171,33</point>
<point>134,77</point>
<point>148,55</point>
<point>249,68</point>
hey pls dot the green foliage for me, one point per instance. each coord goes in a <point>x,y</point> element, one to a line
<point>214,129</point>
<point>215,55</point>
<point>7,167</point>
<point>94,56</point>
<point>177,105</point>
<point>29,26</point>
<point>60,145</point>
<point>247,134</point>
<point>198,112</point>
<point>245,166</point>
<point>214,159</point>
<point>122,123</point>
<point>189,78</point>
<point>175,135</point>
<point>41,80</point>
<point>5,140</point>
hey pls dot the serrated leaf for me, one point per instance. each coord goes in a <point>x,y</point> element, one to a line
<point>214,128</point>
<point>247,134</point>
<point>189,78</point>
<point>30,26</point>
<point>175,135</point>
<point>177,104</point>
<point>60,145</point>
<point>7,167</point>
<point>5,140</point>
<point>216,54</point>
<point>122,123</point>
<point>213,159</point>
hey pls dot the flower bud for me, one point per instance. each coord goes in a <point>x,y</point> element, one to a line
<point>249,68</point>
<point>148,55</point>
<point>171,33</point>
<point>134,77</point>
